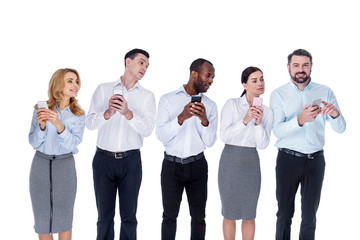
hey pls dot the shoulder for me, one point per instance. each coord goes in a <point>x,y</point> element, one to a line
<point>231,102</point>
<point>283,88</point>
<point>105,86</point>
<point>146,92</point>
<point>318,86</point>
<point>170,95</point>
<point>207,101</point>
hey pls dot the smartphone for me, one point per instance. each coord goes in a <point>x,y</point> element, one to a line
<point>316,102</point>
<point>118,91</point>
<point>195,98</point>
<point>257,101</point>
<point>42,104</point>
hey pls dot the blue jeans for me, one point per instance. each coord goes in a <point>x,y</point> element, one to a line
<point>175,177</point>
<point>112,175</point>
<point>290,172</point>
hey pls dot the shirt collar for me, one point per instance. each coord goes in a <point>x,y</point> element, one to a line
<point>182,90</point>
<point>243,101</point>
<point>118,83</point>
<point>65,109</point>
<point>308,87</point>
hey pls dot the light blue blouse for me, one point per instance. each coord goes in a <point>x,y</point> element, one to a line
<point>50,142</point>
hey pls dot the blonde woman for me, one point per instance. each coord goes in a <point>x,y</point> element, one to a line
<point>56,131</point>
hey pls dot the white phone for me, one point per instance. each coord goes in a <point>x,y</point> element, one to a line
<point>257,101</point>
<point>42,104</point>
<point>118,91</point>
<point>316,102</point>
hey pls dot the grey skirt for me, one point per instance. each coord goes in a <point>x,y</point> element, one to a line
<point>239,181</point>
<point>52,189</point>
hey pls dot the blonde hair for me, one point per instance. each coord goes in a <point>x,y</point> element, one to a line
<point>56,87</point>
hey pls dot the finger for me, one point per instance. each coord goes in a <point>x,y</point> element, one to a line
<point>307,106</point>
<point>329,110</point>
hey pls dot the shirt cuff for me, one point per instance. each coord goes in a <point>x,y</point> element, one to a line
<point>41,133</point>
<point>65,134</point>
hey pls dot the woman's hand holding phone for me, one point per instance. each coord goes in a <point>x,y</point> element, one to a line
<point>42,116</point>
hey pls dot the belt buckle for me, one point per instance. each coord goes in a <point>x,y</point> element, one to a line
<point>182,160</point>
<point>310,156</point>
<point>119,155</point>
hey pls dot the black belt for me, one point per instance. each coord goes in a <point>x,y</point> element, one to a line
<point>183,160</point>
<point>117,155</point>
<point>299,154</point>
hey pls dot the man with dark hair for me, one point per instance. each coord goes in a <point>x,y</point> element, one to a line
<point>124,113</point>
<point>186,128</point>
<point>133,53</point>
<point>301,109</point>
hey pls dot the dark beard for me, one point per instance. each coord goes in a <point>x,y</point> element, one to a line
<point>199,86</point>
<point>300,80</point>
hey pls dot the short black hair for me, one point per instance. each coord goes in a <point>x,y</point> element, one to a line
<point>196,64</point>
<point>300,52</point>
<point>133,53</point>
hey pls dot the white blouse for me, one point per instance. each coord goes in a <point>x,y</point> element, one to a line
<point>234,132</point>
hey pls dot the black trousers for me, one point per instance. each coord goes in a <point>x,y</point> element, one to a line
<point>175,177</point>
<point>290,172</point>
<point>112,175</point>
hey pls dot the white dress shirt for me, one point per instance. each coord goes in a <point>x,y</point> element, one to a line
<point>190,138</point>
<point>117,133</point>
<point>234,132</point>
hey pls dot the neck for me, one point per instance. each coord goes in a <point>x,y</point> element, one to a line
<point>64,104</point>
<point>250,97</point>
<point>190,89</point>
<point>128,81</point>
<point>301,86</point>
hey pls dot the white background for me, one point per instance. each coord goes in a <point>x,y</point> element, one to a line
<point>39,37</point>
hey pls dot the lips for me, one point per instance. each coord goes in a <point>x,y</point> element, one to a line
<point>301,74</point>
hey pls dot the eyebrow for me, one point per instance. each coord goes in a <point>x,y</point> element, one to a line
<point>144,60</point>
<point>295,63</point>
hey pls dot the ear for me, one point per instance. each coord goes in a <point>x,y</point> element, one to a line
<point>244,86</point>
<point>194,74</point>
<point>288,67</point>
<point>128,61</point>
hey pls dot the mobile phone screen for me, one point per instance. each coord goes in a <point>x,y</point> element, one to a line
<point>257,101</point>
<point>42,104</point>
<point>316,102</point>
<point>195,98</point>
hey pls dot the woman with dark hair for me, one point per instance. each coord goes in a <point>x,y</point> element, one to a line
<point>56,130</point>
<point>245,126</point>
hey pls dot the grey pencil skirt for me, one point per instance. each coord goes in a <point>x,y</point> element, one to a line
<point>53,189</point>
<point>239,181</point>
